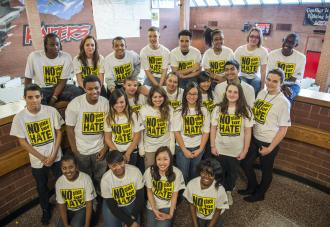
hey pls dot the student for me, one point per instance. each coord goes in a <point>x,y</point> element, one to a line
<point>173,91</point>
<point>120,64</point>
<point>156,117</point>
<point>135,99</point>
<point>122,190</point>
<point>272,118</point>
<point>185,59</point>
<point>231,124</point>
<point>38,129</point>
<point>214,58</point>
<point>204,83</point>
<point>292,62</point>
<point>191,126</point>
<point>85,116</point>
<point>206,196</point>
<point>74,194</point>
<point>89,62</point>
<point>123,127</point>
<point>154,59</point>
<point>231,74</point>
<point>163,182</point>
<point>252,58</point>
<point>50,69</point>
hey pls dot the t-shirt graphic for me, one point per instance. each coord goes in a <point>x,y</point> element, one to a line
<point>92,123</point>
<point>136,108</point>
<point>162,189</point>
<point>155,127</point>
<point>89,70</point>
<point>122,133</point>
<point>40,132</point>
<point>74,198</point>
<point>174,103</point>
<point>155,64</point>
<point>124,195</point>
<point>260,110</point>
<point>185,64</point>
<point>122,71</point>
<point>229,124</point>
<point>250,64</point>
<point>204,205</point>
<point>192,125</point>
<point>217,67</point>
<point>52,74</point>
<point>209,105</point>
<point>288,69</point>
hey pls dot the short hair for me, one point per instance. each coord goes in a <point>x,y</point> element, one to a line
<point>232,62</point>
<point>278,72</point>
<point>114,156</point>
<point>260,35</point>
<point>32,87</point>
<point>118,38</point>
<point>153,29</point>
<point>69,157</point>
<point>185,33</point>
<point>216,32</point>
<point>51,35</point>
<point>91,78</point>
<point>294,35</point>
<point>213,167</point>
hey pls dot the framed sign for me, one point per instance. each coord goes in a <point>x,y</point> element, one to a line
<point>316,16</point>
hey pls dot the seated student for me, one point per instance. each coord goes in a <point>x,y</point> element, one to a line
<point>163,182</point>
<point>38,129</point>
<point>173,91</point>
<point>122,191</point>
<point>206,195</point>
<point>74,194</point>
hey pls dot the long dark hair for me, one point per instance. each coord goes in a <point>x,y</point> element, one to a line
<point>82,54</point>
<point>164,109</point>
<point>212,167</point>
<point>203,77</point>
<point>185,106</point>
<point>154,170</point>
<point>115,95</point>
<point>242,108</point>
<point>137,93</point>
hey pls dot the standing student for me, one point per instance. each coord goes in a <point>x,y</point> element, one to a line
<point>173,91</point>
<point>123,127</point>
<point>89,62</point>
<point>206,196</point>
<point>85,117</point>
<point>191,126</point>
<point>154,59</point>
<point>135,99</point>
<point>122,191</point>
<point>204,83</point>
<point>272,118</point>
<point>163,182</point>
<point>156,117</point>
<point>231,126</point>
<point>38,129</point>
<point>74,194</point>
<point>252,58</point>
<point>120,64</point>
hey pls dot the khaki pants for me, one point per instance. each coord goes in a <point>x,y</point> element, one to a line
<point>149,159</point>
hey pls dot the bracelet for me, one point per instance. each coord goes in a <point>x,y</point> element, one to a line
<point>54,97</point>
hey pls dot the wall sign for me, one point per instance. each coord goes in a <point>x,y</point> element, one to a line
<point>316,16</point>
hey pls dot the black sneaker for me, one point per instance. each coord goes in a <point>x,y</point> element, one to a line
<point>254,198</point>
<point>45,217</point>
<point>245,191</point>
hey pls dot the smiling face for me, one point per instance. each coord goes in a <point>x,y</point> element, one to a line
<point>184,43</point>
<point>273,83</point>
<point>157,99</point>
<point>232,93</point>
<point>33,101</point>
<point>130,87</point>
<point>118,169</point>
<point>207,178</point>
<point>89,47</point>
<point>153,38</point>
<point>69,170</point>
<point>52,47</point>
<point>217,41</point>
<point>93,91</point>
<point>289,43</point>
<point>119,47</point>
<point>231,73</point>
<point>163,161</point>
<point>205,85</point>
<point>172,83</point>
<point>120,104</point>
<point>254,38</point>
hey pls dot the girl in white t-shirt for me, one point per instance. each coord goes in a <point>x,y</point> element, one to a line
<point>173,91</point>
<point>191,126</point>
<point>206,195</point>
<point>163,182</point>
<point>123,127</point>
<point>135,99</point>
<point>231,126</point>
<point>89,62</point>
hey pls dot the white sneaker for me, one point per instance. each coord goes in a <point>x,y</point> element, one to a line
<point>230,198</point>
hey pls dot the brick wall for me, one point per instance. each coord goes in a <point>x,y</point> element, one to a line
<point>6,141</point>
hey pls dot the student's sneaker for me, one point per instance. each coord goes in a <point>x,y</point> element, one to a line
<point>45,217</point>
<point>254,198</point>
<point>230,198</point>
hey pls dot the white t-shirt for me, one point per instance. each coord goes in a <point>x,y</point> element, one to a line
<point>192,126</point>
<point>78,67</point>
<point>75,193</point>
<point>39,130</point>
<point>229,138</point>
<point>206,200</point>
<point>209,104</point>
<point>174,99</point>
<point>185,61</point>
<point>136,107</point>
<point>122,131</point>
<point>45,71</point>
<point>88,121</point>
<point>270,112</point>
<point>123,190</point>
<point>250,61</point>
<point>216,62</point>
<point>156,132</point>
<point>163,189</point>
<point>116,70</point>
<point>248,91</point>
<point>155,60</point>
<point>293,65</point>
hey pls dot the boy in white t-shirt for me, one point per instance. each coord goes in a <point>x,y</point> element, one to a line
<point>38,129</point>
<point>185,59</point>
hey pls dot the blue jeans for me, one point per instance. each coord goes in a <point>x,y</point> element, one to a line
<point>69,92</point>
<point>255,83</point>
<point>153,222</point>
<point>187,165</point>
<point>148,82</point>
<point>205,223</point>
<point>183,82</point>
<point>76,218</point>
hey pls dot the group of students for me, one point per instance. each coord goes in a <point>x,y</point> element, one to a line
<point>187,127</point>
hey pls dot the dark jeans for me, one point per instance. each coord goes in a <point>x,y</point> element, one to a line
<point>183,82</point>
<point>69,92</point>
<point>205,223</point>
<point>230,167</point>
<point>41,177</point>
<point>255,83</point>
<point>76,218</point>
<point>266,164</point>
<point>153,222</point>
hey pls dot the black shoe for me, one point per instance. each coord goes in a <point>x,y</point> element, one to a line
<point>254,198</point>
<point>45,217</point>
<point>245,191</point>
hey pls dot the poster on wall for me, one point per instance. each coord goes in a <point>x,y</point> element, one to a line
<point>316,16</point>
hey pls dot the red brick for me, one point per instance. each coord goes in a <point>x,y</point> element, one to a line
<point>325,111</point>
<point>306,171</point>
<point>315,109</point>
<point>301,113</point>
<point>302,106</point>
<point>326,164</point>
<point>5,129</point>
<point>310,159</point>
<point>324,178</point>
<point>324,126</point>
<point>296,161</point>
<point>307,121</point>
<point>323,155</point>
<point>321,118</point>
<point>7,139</point>
<point>319,169</point>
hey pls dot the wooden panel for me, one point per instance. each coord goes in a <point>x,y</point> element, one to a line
<point>13,159</point>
